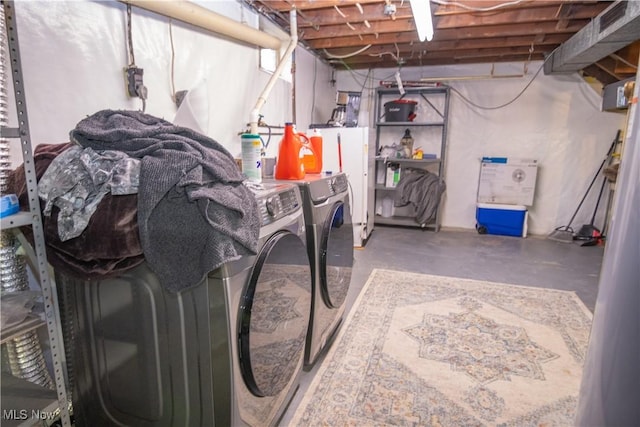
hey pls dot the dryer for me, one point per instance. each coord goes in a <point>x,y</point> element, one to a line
<point>329,228</point>
<point>226,352</point>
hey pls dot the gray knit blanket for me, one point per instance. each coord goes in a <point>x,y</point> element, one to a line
<point>194,213</point>
<point>423,190</point>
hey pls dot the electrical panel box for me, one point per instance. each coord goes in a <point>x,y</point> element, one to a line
<point>614,97</point>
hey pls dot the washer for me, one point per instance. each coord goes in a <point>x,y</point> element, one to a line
<point>329,228</point>
<point>270,298</point>
<point>226,352</point>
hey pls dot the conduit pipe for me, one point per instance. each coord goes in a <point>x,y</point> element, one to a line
<point>201,17</point>
<point>486,77</point>
<point>255,113</point>
<point>206,19</point>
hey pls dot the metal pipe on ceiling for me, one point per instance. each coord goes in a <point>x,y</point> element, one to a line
<point>191,13</point>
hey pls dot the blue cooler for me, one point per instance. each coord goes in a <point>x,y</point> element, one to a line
<point>505,220</point>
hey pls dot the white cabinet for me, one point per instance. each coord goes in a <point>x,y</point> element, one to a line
<point>357,163</point>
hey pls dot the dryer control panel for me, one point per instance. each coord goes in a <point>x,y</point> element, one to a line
<point>278,205</point>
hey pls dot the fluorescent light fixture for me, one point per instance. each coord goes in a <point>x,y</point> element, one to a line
<point>422,14</point>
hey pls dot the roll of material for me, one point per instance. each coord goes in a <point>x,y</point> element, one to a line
<point>24,353</point>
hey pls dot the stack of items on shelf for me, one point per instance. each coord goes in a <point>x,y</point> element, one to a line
<point>22,354</point>
<point>414,186</point>
<point>505,190</point>
<point>410,179</point>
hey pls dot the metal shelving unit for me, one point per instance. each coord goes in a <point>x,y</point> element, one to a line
<point>434,102</point>
<point>25,403</point>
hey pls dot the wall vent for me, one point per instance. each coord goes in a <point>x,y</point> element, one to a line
<point>612,15</point>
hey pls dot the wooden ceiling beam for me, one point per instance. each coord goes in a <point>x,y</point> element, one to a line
<point>418,62</point>
<point>357,38</point>
<point>285,6</point>
<point>627,59</point>
<point>608,65</point>
<point>343,29</point>
<point>371,13</point>
<point>318,19</point>
<point>491,43</point>
<point>600,75</point>
<point>529,28</point>
<point>487,5</point>
<point>521,16</point>
<point>374,12</point>
<point>406,55</point>
<point>623,66</point>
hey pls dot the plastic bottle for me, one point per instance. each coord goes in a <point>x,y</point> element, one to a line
<point>251,157</point>
<point>289,164</point>
<point>407,144</point>
<point>312,159</point>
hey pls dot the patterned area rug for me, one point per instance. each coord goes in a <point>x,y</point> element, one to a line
<point>424,350</point>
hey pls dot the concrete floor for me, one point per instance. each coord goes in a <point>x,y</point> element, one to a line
<point>534,261</point>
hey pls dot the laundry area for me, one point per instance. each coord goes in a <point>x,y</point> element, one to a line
<point>298,213</point>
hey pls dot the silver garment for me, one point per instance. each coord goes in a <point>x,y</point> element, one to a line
<point>77,180</point>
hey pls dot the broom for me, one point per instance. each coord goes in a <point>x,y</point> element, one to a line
<point>564,233</point>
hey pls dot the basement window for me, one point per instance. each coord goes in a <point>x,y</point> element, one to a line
<point>269,62</point>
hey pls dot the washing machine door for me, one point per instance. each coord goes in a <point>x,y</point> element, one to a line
<point>274,315</point>
<point>336,255</point>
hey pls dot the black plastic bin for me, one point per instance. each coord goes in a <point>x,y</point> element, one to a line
<point>400,110</point>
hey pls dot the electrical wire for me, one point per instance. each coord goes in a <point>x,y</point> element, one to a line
<point>365,80</point>
<point>348,55</point>
<point>478,9</point>
<point>132,57</point>
<point>355,75</point>
<point>140,89</point>
<point>395,56</point>
<point>173,61</point>
<point>482,107</point>
<point>313,91</point>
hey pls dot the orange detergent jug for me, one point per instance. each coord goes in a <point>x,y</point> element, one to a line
<point>312,160</point>
<point>289,164</point>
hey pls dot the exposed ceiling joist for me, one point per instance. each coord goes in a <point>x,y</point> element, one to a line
<point>364,34</point>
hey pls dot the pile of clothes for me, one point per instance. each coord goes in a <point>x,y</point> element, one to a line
<point>131,187</point>
<point>422,190</point>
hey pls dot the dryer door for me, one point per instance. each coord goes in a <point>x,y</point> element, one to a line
<point>336,255</point>
<point>274,315</point>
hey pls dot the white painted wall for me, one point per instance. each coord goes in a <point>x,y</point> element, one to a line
<point>315,94</point>
<point>74,52</point>
<point>557,121</point>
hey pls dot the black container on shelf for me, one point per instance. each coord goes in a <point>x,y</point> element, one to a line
<point>400,110</point>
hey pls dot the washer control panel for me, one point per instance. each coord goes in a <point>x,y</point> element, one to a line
<point>327,186</point>
<point>338,184</point>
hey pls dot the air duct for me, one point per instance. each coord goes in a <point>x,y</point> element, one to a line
<point>616,27</point>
